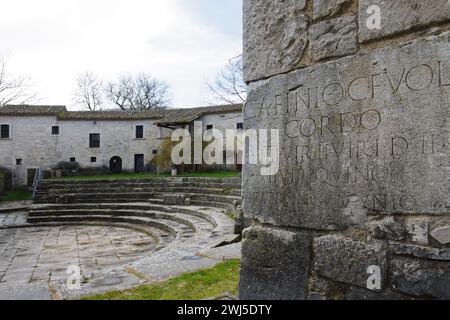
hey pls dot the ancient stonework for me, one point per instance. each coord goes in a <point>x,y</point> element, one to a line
<point>401,15</point>
<point>442,235</point>
<point>275,37</point>
<point>344,143</point>
<point>328,8</point>
<point>334,38</point>
<point>363,152</point>
<point>346,260</point>
<point>421,278</point>
<point>279,257</point>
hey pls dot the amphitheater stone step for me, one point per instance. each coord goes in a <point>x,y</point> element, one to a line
<point>211,192</point>
<point>209,217</point>
<point>194,223</point>
<point>152,180</point>
<point>181,235</point>
<point>146,189</point>
<point>203,183</point>
<point>13,209</point>
<point>118,183</point>
<point>204,203</point>
<point>170,226</point>
<point>93,200</point>
<point>171,222</point>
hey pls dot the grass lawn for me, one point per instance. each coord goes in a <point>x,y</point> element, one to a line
<point>198,285</point>
<point>17,196</point>
<point>125,176</point>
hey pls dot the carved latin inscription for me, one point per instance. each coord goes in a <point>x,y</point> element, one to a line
<point>371,132</point>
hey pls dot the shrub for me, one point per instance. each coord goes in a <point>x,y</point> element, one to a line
<point>68,168</point>
<point>6,177</point>
<point>163,160</point>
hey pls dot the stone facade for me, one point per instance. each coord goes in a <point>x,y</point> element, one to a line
<point>32,144</point>
<point>364,150</point>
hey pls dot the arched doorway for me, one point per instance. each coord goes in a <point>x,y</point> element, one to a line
<point>115,165</point>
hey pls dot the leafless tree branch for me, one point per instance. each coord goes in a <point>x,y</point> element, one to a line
<point>89,91</point>
<point>229,85</point>
<point>14,90</point>
<point>138,93</point>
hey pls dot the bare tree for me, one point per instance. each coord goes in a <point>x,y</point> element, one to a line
<point>13,90</point>
<point>139,93</point>
<point>89,91</point>
<point>229,85</point>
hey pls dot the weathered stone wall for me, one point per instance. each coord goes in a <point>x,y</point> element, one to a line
<point>362,196</point>
<point>224,122</point>
<point>32,141</point>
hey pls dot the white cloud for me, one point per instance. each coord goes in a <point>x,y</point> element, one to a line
<point>52,41</point>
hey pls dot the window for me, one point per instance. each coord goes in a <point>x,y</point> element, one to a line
<point>4,132</point>
<point>209,127</point>
<point>155,151</point>
<point>94,140</point>
<point>240,126</point>
<point>73,159</point>
<point>139,132</point>
<point>55,130</point>
<point>19,162</point>
<point>93,159</point>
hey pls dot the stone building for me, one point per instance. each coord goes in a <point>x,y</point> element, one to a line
<point>42,136</point>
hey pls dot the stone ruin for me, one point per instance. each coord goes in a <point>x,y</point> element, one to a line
<point>360,93</point>
<point>117,233</point>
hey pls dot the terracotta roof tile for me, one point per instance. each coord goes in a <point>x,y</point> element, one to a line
<point>162,117</point>
<point>31,110</point>
<point>183,116</point>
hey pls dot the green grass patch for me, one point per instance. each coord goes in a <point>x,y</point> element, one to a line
<point>219,174</point>
<point>131,176</point>
<point>198,285</point>
<point>17,196</point>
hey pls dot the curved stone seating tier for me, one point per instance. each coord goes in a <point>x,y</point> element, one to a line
<point>210,192</point>
<point>191,223</point>
<point>121,233</point>
<point>143,189</point>
<point>176,220</point>
<point>194,181</point>
<point>180,234</point>
<point>13,209</point>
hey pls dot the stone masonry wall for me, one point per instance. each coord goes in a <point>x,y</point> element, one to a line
<point>32,141</point>
<point>360,93</point>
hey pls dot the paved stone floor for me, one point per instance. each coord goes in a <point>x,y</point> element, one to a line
<point>44,254</point>
<point>34,260</point>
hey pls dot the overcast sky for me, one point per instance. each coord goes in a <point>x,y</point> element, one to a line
<point>184,42</point>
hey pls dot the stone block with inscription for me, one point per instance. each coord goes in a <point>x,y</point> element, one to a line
<point>350,196</point>
<point>368,131</point>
